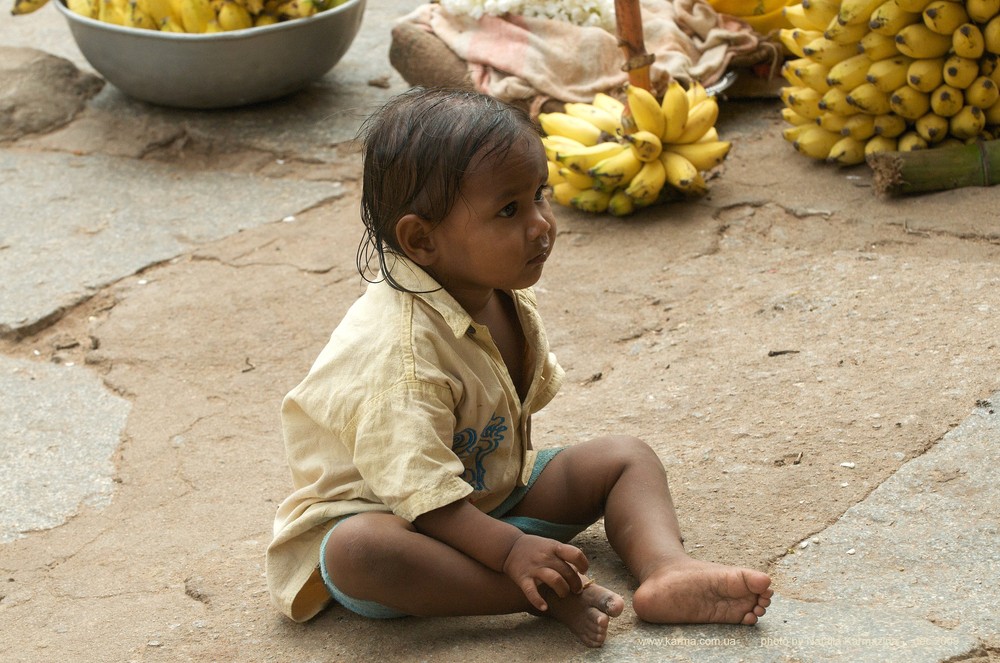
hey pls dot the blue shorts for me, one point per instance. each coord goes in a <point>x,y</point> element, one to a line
<point>527,525</point>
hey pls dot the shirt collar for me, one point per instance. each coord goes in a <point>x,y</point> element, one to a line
<point>411,276</point>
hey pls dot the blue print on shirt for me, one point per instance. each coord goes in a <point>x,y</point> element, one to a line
<point>467,444</point>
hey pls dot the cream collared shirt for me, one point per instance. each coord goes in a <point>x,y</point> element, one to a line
<point>408,408</point>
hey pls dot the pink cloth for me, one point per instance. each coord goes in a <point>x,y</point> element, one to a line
<point>524,58</point>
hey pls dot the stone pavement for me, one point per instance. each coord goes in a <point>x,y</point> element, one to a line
<point>910,573</point>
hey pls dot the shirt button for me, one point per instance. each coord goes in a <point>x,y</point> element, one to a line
<point>471,331</point>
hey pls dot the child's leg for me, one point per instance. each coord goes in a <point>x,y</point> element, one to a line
<point>381,557</point>
<point>623,479</point>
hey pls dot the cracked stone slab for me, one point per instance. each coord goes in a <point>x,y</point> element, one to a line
<point>926,541</point>
<point>794,631</point>
<point>59,430</point>
<point>70,225</point>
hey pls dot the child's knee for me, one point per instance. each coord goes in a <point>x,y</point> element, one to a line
<point>627,450</point>
<point>355,547</point>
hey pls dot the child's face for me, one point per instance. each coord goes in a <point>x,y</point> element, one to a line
<point>501,229</point>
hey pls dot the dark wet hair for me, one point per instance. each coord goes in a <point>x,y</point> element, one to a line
<point>417,148</point>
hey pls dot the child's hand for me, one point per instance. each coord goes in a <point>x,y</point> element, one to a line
<point>534,560</point>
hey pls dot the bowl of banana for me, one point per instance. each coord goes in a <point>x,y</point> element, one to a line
<point>203,54</point>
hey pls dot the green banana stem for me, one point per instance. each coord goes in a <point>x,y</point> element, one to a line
<point>938,169</point>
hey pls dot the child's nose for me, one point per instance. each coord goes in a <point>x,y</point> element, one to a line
<point>539,225</point>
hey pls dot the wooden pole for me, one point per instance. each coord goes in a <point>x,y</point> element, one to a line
<point>628,19</point>
<point>936,169</point>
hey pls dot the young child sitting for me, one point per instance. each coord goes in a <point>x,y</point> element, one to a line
<point>417,487</point>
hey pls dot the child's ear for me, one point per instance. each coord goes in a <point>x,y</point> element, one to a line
<point>414,236</point>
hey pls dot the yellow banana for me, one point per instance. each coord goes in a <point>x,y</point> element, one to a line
<point>264,18</point>
<point>297,9</point>
<point>578,180</point>
<point>968,41</point>
<point>171,24</point>
<point>932,127</point>
<point>797,16</point>
<point>913,5</point>
<point>554,177</point>
<point>803,100</point>
<point>850,73</point>
<point>909,103</point>
<point>828,52</point>
<point>603,120</point>
<point>820,12</point>
<point>709,136</point>
<point>86,8</point>
<point>696,93</point>
<point>910,141</point>
<point>848,151</point>
<point>869,99</point>
<point>813,74</point>
<point>947,100</point>
<point>791,134</point>
<point>960,72</point>
<point>981,11</point>
<point>878,144</point>
<point>992,114</point>
<point>790,74</point>
<point>793,118</point>
<point>982,93</point>
<point>890,125</point>
<point>196,15</point>
<point>944,16</point>
<point>608,104</point>
<point>700,119</point>
<point>991,35</point>
<point>591,200</point>
<point>703,156</point>
<point>860,126</point>
<point>22,7</point>
<point>888,18</point>
<point>234,17</point>
<point>845,34</point>
<point>853,12</point>
<point>925,74</point>
<point>878,46</point>
<point>682,175</point>
<point>816,143</point>
<point>644,110</point>
<point>675,109</point>
<point>834,122</point>
<point>645,144</point>
<point>919,41</point>
<point>581,159</point>
<point>889,74</point>
<point>620,204</point>
<point>795,39</point>
<point>136,17</point>
<point>564,192</point>
<point>969,122</point>
<point>647,183</point>
<point>111,11</point>
<point>561,124</point>
<point>159,10</point>
<point>555,144</point>
<point>835,101</point>
<point>616,170</point>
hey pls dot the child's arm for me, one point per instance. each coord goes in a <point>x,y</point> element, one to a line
<point>528,560</point>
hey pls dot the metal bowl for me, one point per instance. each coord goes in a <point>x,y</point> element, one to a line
<point>217,70</point>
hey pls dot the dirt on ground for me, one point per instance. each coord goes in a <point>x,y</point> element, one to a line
<point>784,344</point>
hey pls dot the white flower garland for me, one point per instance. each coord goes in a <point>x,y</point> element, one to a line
<point>592,13</point>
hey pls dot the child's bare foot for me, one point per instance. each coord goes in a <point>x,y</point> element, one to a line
<point>690,591</point>
<point>586,614</point>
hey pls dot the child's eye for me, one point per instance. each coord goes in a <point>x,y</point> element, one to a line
<point>509,210</point>
<point>540,194</point>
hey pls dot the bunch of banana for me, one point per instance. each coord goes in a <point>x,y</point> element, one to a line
<point>193,16</point>
<point>882,75</point>
<point>606,156</point>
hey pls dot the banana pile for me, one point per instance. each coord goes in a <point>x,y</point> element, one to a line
<point>890,75</point>
<point>606,157</point>
<point>194,16</point>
